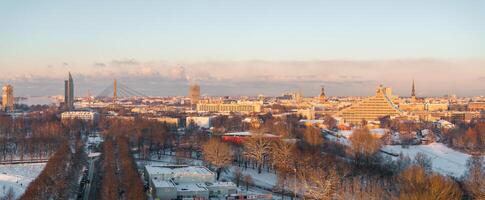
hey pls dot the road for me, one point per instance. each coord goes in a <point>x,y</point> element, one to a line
<point>90,184</point>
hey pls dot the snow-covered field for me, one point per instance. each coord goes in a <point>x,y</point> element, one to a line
<point>445,160</point>
<point>18,177</point>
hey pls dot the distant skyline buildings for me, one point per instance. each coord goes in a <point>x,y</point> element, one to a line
<point>194,93</point>
<point>69,93</point>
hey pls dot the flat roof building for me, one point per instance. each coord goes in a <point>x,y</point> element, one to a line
<point>180,181</point>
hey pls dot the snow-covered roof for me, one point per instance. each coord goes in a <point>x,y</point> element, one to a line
<point>245,133</point>
<point>193,187</point>
<point>158,183</point>
<point>198,170</point>
<point>345,133</point>
<point>378,131</point>
<point>312,121</point>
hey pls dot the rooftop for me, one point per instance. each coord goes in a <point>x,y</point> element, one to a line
<point>193,187</point>
<point>179,170</point>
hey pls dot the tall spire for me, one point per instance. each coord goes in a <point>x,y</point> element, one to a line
<point>413,91</point>
<point>322,95</point>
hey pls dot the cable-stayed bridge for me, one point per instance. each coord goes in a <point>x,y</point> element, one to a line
<point>117,90</point>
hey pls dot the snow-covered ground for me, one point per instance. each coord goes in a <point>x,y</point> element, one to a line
<point>18,177</point>
<point>445,160</point>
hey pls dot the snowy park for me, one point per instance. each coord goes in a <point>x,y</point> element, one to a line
<point>18,177</point>
<point>445,160</point>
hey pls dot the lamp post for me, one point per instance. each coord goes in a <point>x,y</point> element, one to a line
<point>294,183</point>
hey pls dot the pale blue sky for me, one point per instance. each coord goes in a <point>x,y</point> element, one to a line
<point>38,35</point>
<point>197,30</point>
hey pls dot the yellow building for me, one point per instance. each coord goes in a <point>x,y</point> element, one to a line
<point>412,106</point>
<point>371,108</point>
<point>476,106</point>
<point>229,107</point>
<point>7,98</point>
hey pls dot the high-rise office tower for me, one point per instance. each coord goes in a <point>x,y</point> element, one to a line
<point>7,98</point>
<point>69,93</point>
<point>194,93</point>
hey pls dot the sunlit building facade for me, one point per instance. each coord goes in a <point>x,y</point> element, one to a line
<point>7,98</point>
<point>229,107</point>
<point>371,108</point>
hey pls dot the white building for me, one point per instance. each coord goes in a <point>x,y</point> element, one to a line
<point>179,181</point>
<point>202,122</point>
<point>81,115</point>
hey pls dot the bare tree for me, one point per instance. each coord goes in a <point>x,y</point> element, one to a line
<point>320,184</point>
<point>238,176</point>
<point>282,156</point>
<point>415,184</point>
<point>248,180</point>
<point>10,195</point>
<point>218,154</point>
<point>474,179</point>
<point>424,161</point>
<point>363,145</point>
<point>313,136</point>
<point>257,148</point>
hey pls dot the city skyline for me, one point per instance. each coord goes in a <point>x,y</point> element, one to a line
<point>263,47</point>
<point>251,78</point>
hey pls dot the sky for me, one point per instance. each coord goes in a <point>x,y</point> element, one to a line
<point>246,47</point>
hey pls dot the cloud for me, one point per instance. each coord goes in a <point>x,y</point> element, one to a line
<point>99,64</point>
<point>125,62</point>
<point>176,73</point>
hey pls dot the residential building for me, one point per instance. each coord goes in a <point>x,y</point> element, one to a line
<point>243,107</point>
<point>90,116</point>
<point>476,106</point>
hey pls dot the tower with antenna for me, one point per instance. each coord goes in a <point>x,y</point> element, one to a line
<point>115,91</point>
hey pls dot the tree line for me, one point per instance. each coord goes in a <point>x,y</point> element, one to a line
<point>322,169</point>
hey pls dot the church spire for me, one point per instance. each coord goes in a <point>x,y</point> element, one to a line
<point>322,95</point>
<point>413,92</point>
